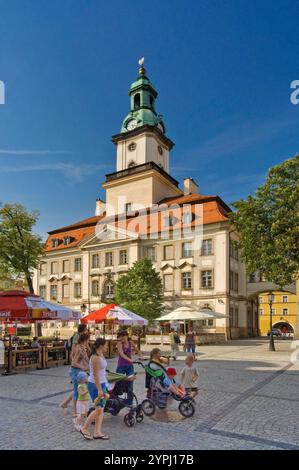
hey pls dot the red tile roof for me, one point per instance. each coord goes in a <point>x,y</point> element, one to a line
<point>214,210</point>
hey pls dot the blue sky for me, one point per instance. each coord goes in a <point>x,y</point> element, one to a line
<point>222,70</point>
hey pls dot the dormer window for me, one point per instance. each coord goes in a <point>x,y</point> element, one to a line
<point>187,217</point>
<point>67,240</point>
<point>55,242</point>
<point>168,221</point>
<point>137,101</point>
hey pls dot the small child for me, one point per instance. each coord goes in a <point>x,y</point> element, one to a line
<point>189,377</point>
<point>83,402</point>
<point>175,388</point>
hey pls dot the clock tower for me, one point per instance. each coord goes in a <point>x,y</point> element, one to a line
<point>142,152</point>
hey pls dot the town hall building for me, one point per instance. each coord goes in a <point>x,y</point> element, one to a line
<point>146,213</point>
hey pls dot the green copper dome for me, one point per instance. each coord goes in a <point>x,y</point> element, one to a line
<point>142,103</point>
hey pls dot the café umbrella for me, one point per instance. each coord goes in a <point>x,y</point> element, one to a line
<point>186,313</point>
<point>26,307</point>
<point>115,313</point>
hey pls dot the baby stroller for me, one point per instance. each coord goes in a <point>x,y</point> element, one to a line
<point>158,394</point>
<point>118,399</point>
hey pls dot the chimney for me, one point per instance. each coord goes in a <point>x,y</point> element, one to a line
<point>190,186</point>
<point>100,207</point>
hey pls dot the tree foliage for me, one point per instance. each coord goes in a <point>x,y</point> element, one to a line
<point>20,249</point>
<point>268,225</point>
<point>140,290</point>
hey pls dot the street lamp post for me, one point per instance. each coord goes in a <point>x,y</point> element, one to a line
<point>271,343</point>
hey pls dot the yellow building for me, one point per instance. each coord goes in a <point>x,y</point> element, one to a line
<point>283,312</point>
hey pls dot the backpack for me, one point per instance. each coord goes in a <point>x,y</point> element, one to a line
<point>177,339</point>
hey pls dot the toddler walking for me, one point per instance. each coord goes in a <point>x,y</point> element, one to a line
<point>83,402</point>
<point>189,376</point>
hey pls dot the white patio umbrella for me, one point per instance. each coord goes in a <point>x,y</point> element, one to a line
<point>125,316</point>
<point>186,313</point>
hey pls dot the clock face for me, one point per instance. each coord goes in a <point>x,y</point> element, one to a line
<point>131,124</point>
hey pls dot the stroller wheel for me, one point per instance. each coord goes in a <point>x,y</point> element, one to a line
<point>187,409</point>
<point>129,420</point>
<point>139,417</point>
<point>148,407</point>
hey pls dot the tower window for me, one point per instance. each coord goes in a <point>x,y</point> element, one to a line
<point>137,101</point>
<point>132,146</point>
<point>151,101</point>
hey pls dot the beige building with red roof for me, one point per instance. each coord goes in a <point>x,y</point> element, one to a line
<point>187,235</point>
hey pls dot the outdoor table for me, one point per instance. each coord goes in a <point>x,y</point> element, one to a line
<point>54,355</point>
<point>26,358</point>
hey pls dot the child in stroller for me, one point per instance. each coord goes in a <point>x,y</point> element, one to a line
<point>160,387</point>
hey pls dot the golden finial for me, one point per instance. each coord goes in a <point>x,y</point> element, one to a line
<point>141,68</point>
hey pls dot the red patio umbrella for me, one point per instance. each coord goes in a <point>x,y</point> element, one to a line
<point>99,315</point>
<point>13,305</point>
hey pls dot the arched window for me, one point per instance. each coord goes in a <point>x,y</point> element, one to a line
<point>137,101</point>
<point>108,289</point>
<point>152,102</point>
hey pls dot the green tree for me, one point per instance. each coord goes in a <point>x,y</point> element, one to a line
<point>268,225</point>
<point>140,290</point>
<point>20,249</point>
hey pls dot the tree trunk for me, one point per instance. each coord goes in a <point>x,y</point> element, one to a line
<point>30,284</point>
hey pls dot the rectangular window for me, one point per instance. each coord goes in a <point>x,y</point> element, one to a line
<point>285,299</point>
<point>78,264</point>
<point>54,267</point>
<point>168,282</point>
<point>53,292</point>
<point>95,288</point>
<point>109,258</point>
<point>236,282</point>
<point>207,247</point>
<point>65,291</point>
<point>123,257</point>
<point>95,261</point>
<point>77,290</point>
<point>42,291</point>
<point>273,311</point>
<point>186,281</point>
<point>206,279</point>
<point>187,250</point>
<point>66,266</point>
<point>260,299</point>
<point>261,311</point>
<point>233,250</point>
<point>211,322</point>
<point>285,311</point>
<point>187,218</point>
<point>231,280</point>
<point>43,269</point>
<point>168,252</point>
<point>151,253</point>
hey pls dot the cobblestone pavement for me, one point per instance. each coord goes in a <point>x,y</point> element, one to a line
<point>248,400</point>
